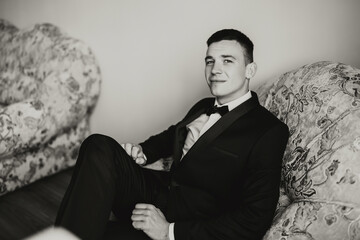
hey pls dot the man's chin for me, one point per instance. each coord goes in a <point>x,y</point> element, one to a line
<point>216,93</point>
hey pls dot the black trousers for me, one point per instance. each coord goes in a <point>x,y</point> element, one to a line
<point>107,179</point>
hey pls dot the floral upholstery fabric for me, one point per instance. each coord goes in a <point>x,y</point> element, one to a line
<point>320,192</point>
<point>49,84</point>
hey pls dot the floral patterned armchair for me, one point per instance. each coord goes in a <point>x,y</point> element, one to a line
<point>49,84</point>
<point>320,192</point>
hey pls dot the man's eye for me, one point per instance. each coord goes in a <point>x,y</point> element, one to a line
<point>209,62</point>
<point>227,61</point>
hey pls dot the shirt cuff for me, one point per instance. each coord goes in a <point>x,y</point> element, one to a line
<point>171,231</point>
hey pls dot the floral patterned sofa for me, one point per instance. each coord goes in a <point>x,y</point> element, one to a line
<point>320,192</point>
<point>49,84</point>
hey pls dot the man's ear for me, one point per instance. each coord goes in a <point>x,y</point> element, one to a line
<point>250,70</point>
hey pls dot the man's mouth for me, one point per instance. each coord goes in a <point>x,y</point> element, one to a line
<point>217,81</point>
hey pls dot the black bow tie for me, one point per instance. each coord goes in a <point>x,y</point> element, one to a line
<point>215,109</point>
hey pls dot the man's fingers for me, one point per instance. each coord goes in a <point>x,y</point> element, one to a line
<point>128,148</point>
<point>144,212</point>
<point>140,160</point>
<point>150,220</point>
<point>135,151</point>
<point>138,217</point>
<point>144,206</point>
<point>139,225</point>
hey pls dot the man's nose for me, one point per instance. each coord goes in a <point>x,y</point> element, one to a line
<point>217,68</point>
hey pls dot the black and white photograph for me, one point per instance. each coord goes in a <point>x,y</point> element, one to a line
<point>179,120</point>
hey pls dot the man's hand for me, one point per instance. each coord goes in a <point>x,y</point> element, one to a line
<point>135,151</point>
<point>150,220</point>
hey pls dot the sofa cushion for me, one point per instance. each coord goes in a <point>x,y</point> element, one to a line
<point>316,220</point>
<point>57,154</point>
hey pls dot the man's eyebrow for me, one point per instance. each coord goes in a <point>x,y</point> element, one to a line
<point>228,56</point>
<point>223,56</point>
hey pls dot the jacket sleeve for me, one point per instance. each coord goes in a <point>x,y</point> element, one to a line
<point>252,215</point>
<point>160,145</point>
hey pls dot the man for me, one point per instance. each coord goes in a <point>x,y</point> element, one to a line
<point>224,181</point>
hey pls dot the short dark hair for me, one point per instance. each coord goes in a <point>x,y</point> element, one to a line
<point>232,34</point>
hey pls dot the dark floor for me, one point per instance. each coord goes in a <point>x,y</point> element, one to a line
<point>32,208</point>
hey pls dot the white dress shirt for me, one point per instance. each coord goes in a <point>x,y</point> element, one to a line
<point>199,126</point>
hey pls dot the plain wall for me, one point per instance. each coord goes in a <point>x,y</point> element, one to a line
<point>151,52</point>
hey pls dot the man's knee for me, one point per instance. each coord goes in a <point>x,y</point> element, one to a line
<point>99,147</point>
<point>102,142</point>
<point>97,140</point>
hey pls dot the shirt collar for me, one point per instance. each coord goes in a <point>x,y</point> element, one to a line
<point>234,103</point>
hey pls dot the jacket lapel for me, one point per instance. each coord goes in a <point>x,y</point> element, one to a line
<point>181,131</point>
<point>222,124</point>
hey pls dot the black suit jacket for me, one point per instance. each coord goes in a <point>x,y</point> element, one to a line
<point>227,185</point>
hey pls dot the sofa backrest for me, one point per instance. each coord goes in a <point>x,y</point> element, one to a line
<point>32,56</point>
<point>45,66</point>
<point>320,103</point>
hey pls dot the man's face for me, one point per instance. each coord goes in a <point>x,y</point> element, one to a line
<point>225,70</point>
